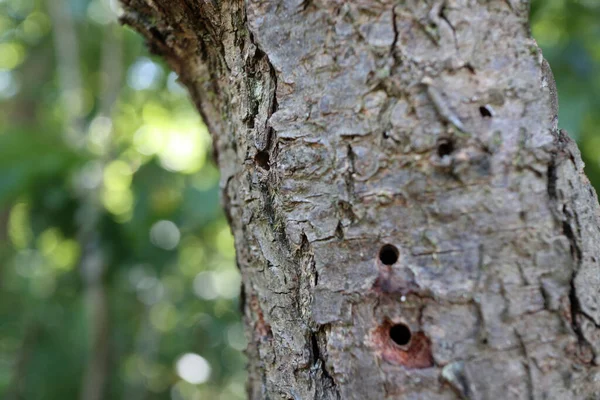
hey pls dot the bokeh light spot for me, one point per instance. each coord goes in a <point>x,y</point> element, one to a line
<point>144,74</point>
<point>118,202</point>
<point>193,368</point>
<point>117,175</point>
<point>163,317</point>
<point>9,85</point>
<point>236,337</point>
<point>184,151</point>
<point>35,26</point>
<point>150,290</point>
<point>11,55</point>
<point>165,234</point>
<point>204,285</point>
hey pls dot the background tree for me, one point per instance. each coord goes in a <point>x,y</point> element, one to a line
<point>118,273</point>
<point>99,149</point>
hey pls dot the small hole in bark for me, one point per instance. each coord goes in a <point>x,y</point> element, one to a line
<point>339,231</point>
<point>389,254</point>
<point>445,148</point>
<point>400,334</point>
<point>262,160</point>
<point>485,112</point>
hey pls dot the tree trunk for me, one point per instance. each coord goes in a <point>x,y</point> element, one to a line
<point>409,221</point>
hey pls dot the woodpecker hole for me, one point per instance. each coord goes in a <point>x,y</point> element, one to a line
<point>445,148</point>
<point>389,254</point>
<point>262,160</point>
<point>400,334</point>
<point>397,344</point>
<point>485,112</point>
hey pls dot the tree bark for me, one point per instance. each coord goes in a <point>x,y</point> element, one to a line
<point>409,221</point>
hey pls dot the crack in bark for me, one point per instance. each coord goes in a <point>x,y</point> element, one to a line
<point>350,172</point>
<point>325,386</point>
<point>318,333</point>
<point>566,219</point>
<point>442,15</point>
<point>530,384</point>
<point>319,365</point>
<point>395,28</point>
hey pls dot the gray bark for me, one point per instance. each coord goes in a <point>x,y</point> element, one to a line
<point>429,126</point>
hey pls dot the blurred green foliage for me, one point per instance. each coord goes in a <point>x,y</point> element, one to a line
<point>568,31</point>
<point>105,171</point>
<point>110,225</point>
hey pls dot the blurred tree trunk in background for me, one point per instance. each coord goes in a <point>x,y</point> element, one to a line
<point>93,264</point>
<point>409,221</point>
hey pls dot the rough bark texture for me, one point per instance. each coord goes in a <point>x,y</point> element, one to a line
<point>343,126</point>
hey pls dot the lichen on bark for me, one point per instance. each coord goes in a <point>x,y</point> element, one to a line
<point>429,127</point>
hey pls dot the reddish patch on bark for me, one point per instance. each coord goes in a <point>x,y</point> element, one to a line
<point>261,327</point>
<point>565,309</point>
<point>387,283</point>
<point>415,354</point>
<point>581,352</point>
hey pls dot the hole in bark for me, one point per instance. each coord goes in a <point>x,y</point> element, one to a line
<point>445,148</point>
<point>485,111</point>
<point>262,160</point>
<point>389,254</point>
<point>400,334</point>
<point>339,231</point>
